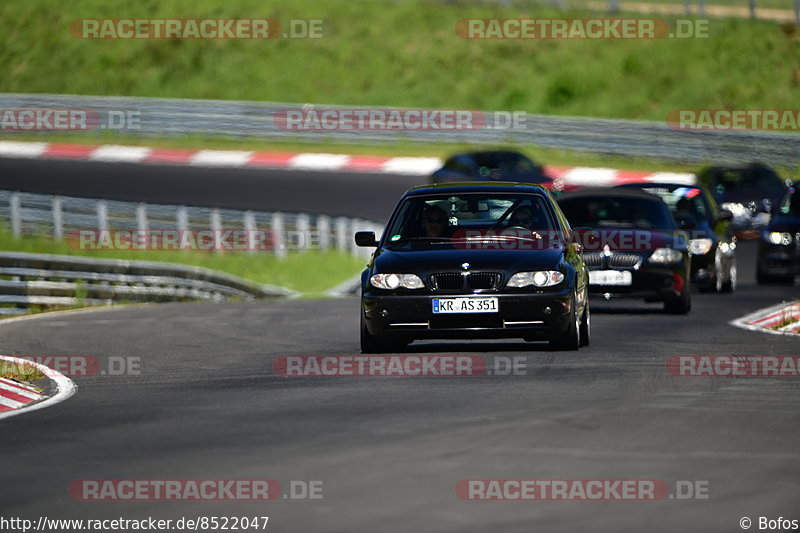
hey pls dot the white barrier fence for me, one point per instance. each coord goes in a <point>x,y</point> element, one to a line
<point>62,216</point>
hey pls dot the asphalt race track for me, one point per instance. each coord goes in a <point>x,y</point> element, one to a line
<point>390,451</point>
<point>371,196</point>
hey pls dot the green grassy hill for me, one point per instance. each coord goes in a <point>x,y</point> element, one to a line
<point>399,53</point>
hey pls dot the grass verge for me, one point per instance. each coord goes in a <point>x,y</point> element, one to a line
<point>310,273</point>
<point>19,371</point>
<point>402,54</point>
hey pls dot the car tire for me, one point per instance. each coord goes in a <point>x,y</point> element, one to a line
<point>730,285</point>
<point>681,305</point>
<point>372,344</point>
<point>570,339</point>
<point>586,326</point>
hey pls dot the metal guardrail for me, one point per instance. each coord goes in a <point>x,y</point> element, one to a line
<point>57,216</point>
<point>30,280</point>
<point>160,117</point>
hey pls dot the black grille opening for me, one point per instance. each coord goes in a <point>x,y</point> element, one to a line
<point>593,259</point>
<point>483,280</point>
<point>453,281</point>
<point>624,260</point>
<point>447,281</point>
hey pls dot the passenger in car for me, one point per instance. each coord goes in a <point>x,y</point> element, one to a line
<point>434,222</point>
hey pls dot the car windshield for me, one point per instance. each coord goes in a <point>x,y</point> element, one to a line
<point>746,180</point>
<point>505,162</point>
<point>683,202</point>
<point>441,217</point>
<point>616,212</point>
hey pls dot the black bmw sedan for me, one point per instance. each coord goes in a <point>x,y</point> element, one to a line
<point>632,245</point>
<point>492,165</point>
<point>469,260</point>
<point>779,245</point>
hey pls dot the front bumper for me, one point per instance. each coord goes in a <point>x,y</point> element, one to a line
<point>651,283</point>
<point>534,316</point>
<point>776,260</point>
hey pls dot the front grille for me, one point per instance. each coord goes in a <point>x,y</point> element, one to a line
<point>624,260</point>
<point>618,260</point>
<point>447,281</point>
<point>593,259</point>
<point>453,281</point>
<point>483,280</point>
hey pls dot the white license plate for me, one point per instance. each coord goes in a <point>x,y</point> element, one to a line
<point>610,277</point>
<point>465,305</point>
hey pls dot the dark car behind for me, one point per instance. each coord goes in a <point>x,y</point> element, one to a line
<point>751,192</point>
<point>454,263</point>
<point>779,243</point>
<point>491,165</point>
<point>632,245</point>
<point>712,242</point>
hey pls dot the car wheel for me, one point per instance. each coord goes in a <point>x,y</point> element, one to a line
<point>372,344</point>
<point>570,339</point>
<point>585,330</point>
<point>681,305</point>
<point>730,285</point>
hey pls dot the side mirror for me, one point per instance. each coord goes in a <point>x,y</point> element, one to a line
<point>724,215</point>
<point>686,223</point>
<point>366,239</point>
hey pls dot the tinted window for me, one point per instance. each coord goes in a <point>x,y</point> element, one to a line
<point>442,215</point>
<point>747,179</point>
<point>683,202</point>
<point>461,164</point>
<point>616,212</point>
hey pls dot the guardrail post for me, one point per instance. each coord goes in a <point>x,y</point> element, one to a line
<point>182,219</point>
<point>342,236</point>
<point>324,232</point>
<point>355,225</point>
<point>216,227</point>
<point>141,217</point>
<point>250,227</point>
<point>278,235</point>
<point>58,219</point>
<point>302,227</point>
<point>15,212</point>
<point>102,215</point>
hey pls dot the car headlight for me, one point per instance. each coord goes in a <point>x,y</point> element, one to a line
<point>700,246</point>
<point>665,256</point>
<point>394,281</point>
<point>540,278</point>
<point>781,238</point>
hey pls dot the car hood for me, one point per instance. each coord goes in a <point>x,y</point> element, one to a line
<point>415,259</point>
<point>629,240</point>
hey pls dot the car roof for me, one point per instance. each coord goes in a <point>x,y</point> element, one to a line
<point>609,192</point>
<point>486,152</point>
<point>655,185</point>
<point>476,187</point>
